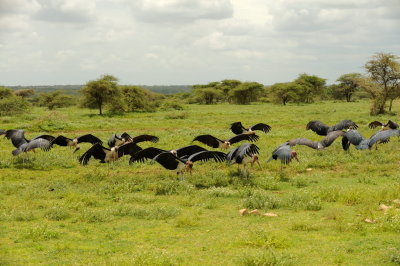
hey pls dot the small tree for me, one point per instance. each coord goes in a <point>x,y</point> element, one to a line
<point>246,92</point>
<point>98,92</point>
<point>383,81</point>
<point>55,99</point>
<point>311,86</point>
<point>285,92</point>
<point>139,99</point>
<point>347,86</point>
<point>208,95</point>
<point>5,92</point>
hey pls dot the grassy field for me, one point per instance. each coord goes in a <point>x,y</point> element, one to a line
<point>54,211</point>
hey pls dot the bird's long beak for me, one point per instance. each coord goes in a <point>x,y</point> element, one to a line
<point>76,149</point>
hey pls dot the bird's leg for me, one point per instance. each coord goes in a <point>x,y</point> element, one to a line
<point>259,164</point>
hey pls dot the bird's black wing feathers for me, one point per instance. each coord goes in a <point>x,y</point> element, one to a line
<point>207,155</point>
<point>318,127</point>
<point>241,137</point>
<point>237,128</point>
<point>142,138</point>
<point>188,150</point>
<point>97,151</point>
<point>168,160</point>
<point>89,138</point>
<point>126,136</point>
<point>148,153</point>
<point>262,127</point>
<point>128,148</point>
<point>60,141</point>
<point>375,124</point>
<point>208,140</point>
<point>344,124</point>
<point>305,142</point>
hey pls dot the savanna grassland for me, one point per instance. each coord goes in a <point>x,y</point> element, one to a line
<point>54,211</point>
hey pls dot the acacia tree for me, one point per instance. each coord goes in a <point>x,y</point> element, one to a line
<point>98,92</point>
<point>285,92</point>
<point>246,92</point>
<point>311,86</point>
<point>382,81</point>
<point>347,86</point>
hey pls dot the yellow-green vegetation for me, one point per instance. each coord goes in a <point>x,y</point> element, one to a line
<point>54,211</point>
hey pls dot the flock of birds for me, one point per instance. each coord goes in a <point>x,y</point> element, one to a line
<point>182,159</point>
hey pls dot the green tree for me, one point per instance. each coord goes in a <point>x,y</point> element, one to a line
<point>207,95</point>
<point>311,86</point>
<point>5,92</point>
<point>347,86</point>
<point>383,73</point>
<point>55,99</point>
<point>25,93</point>
<point>139,99</point>
<point>246,92</point>
<point>98,92</point>
<point>285,92</point>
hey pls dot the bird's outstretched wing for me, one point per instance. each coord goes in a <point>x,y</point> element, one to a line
<point>344,124</point>
<point>383,136</point>
<point>17,137</point>
<point>89,138</point>
<point>142,138</point>
<point>60,141</point>
<point>129,148</point>
<point>126,136</point>
<point>241,137</point>
<point>392,125</point>
<point>41,143</point>
<point>168,160</point>
<point>248,149</point>
<point>331,137</point>
<point>231,156</point>
<point>305,142</point>
<point>208,140</point>
<point>318,127</point>
<point>148,153</point>
<point>188,150</point>
<point>112,140</point>
<point>208,155</point>
<point>262,127</point>
<point>375,124</point>
<point>97,151</point>
<point>47,137</point>
<point>237,128</point>
<point>351,137</point>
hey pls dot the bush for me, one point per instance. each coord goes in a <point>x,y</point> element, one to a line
<point>13,105</point>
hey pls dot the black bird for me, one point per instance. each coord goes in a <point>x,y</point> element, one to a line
<point>390,124</point>
<point>171,162</point>
<point>354,137</point>
<point>65,141</point>
<point>151,152</point>
<point>318,145</point>
<point>224,144</point>
<point>125,137</point>
<point>323,130</point>
<point>106,155</point>
<point>237,128</point>
<point>22,144</point>
<point>244,154</point>
<point>284,153</point>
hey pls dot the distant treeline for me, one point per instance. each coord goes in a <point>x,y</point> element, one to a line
<point>74,89</point>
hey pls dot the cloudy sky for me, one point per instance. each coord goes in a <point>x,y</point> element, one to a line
<point>170,42</point>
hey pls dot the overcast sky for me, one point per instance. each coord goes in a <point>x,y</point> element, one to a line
<point>170,42</point>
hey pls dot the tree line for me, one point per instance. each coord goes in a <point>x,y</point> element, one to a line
<point>380,83</point>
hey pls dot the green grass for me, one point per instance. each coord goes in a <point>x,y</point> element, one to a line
<point>54,211</point>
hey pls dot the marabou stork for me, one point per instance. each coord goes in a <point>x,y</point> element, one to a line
<point>237,128</point>
<point>171,162</point>
<point>284,153</point>
<point>318,145</point>
<point>244,154</point>
<point>390,124</point>
<point>65,141</point>
<point>106,155</point>
<point>151,152</point>
<point>224,144</point>
<point>322,129</point>
<point>22,144</point>
<point>354,137</point>
<point>125,137</point>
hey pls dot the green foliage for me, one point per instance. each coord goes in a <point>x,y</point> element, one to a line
<point>347,86</point>
<point>98,92</point>
<point>246,92</point>
<point>13,105</point>
<point>285,92</point>
<point>208,95</point>
<point>5,92</point>
<point>311,87</point>
<point>383,82</point>
<point>56,99</point>
<point>139,99</point>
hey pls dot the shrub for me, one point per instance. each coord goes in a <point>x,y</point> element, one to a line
<point>13,105</point>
